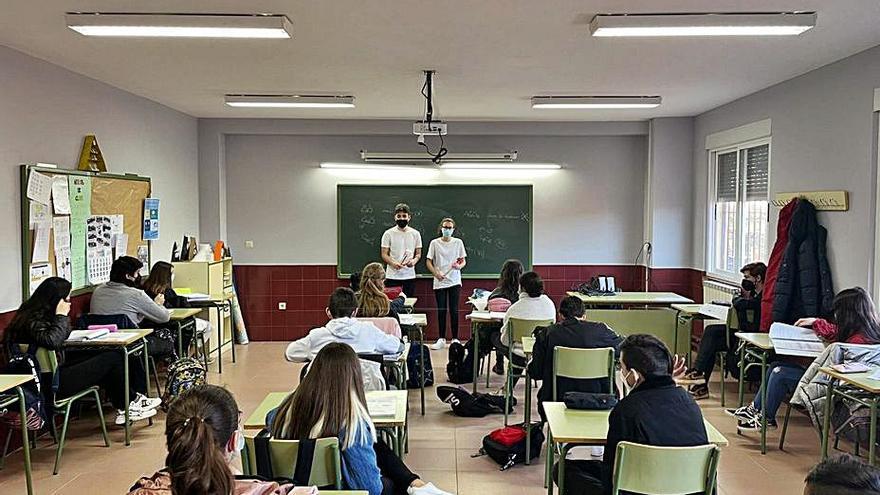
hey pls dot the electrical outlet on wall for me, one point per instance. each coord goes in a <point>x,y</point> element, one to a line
<point>282,306</point>
<point>248,244</point>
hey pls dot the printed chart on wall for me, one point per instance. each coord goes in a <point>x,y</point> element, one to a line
<point>75,224</point>
<point>151,219</point>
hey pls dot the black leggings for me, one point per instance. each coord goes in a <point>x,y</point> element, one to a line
<point>712,342</point>
<point>105,369</point>
<point>447,298</point>
<point>396,476</point>
<point>407,286</point>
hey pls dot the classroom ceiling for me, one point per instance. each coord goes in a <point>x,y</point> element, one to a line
<point>491,56</point>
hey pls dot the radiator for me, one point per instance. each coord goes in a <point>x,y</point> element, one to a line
<point>714,290</point>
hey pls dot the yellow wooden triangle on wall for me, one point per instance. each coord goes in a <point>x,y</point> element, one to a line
<point>91,157</point>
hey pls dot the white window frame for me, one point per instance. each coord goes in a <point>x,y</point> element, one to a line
<point>733,277</point>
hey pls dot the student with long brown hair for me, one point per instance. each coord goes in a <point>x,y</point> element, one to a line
<point>372,300</point>
<point>203,435</point>
<point>330,402</point>
<point>160,281</point>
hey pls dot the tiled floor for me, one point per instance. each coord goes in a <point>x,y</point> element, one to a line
<point>441,444</point>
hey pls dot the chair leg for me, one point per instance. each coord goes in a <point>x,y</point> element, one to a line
<point>153,364</point>
<point>508,392</point>
<point>60,448</point>
<point>6,446</point>
<point>103,422</point>
<point>784,426</point>
<point>723,370</point>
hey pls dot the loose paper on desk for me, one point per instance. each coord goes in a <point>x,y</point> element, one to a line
<point>39,273</point>
<point>80,189</point>
<point>60,195</point>
<point>39,187</point>
<point>41,243</point>
<point>38,213</point>
<point>120,245</point>
<point>61,225</point>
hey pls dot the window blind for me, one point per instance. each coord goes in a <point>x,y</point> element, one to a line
<point>726,188</point>
<point>756,174</point>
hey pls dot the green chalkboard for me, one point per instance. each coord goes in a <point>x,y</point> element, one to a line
<point>494,221</point>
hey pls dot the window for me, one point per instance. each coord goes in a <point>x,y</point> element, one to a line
<point>739,208</point>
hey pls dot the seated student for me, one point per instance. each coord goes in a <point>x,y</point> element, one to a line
<point>855,322</point>
<point>507,289</point>
<point>43,320</point>
<point>748,310</point>
<point>362,336</point>
<point>371,298</point>
<point>655,412</point>
<point>330,402</point>
<point>159,282</point>
<point>532,304</point>
<point>573,331</point>
<point>203,435</point>
<point>122,295</point>
<point>843,475</point>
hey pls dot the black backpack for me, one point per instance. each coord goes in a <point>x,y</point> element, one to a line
<point>414,364</point>
<point>852,422</point>
<point>25,363</point>
<point>509,455</point>
<point>468,405</point>
<point>460,367</point>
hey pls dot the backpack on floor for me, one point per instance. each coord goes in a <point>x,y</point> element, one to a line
<point>468,405</point>
<point>183,374</point>
<point>852,422</point>
<point>25,363</point>
<point>460,367</point>
<point>507,446</point>
<point>414,364</point>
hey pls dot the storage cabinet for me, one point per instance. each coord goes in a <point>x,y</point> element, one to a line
<point>215,279</point>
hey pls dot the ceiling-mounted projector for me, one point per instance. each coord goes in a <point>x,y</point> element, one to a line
<point>434,128</point>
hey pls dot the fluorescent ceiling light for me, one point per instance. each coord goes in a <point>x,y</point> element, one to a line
<point>756,24</point>
<point>290,101</point>
<point>181,25</point>
<point>596,102</point>
<point>372,166</point>
<point>422,157</point>
<point>502,166</point>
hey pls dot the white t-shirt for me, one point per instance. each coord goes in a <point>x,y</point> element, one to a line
<point>443,255</point>
<point>403,245</point>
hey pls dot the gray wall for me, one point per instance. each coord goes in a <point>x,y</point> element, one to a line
<point>822,138</point>
<point>47,110</point>
<point>591,211</point>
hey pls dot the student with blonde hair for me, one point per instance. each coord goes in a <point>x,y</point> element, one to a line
<point>372,300</point>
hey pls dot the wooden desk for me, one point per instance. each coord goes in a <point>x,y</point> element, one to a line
<point>219,302</point>
<point>864,384</point>
<point>703,311</point>
<point>129,341</point>
<point>758,346</point>
<point>180,314</point>
<point>410,302</point>
<point>477,318</point>
<point>419,320</point>
<point>633,298</point>
<point>396,424</point>
<point>572,427</point>
<point>9,382</point>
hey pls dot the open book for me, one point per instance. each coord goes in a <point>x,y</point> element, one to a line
<point>791,340</point>
<point>80,335</point>
<point>383,407</point>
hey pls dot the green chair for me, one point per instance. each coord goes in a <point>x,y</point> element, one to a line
<point>517,329</point>
<point>49,363</point>
<point>326,464</point>
<point>664,470</point>
<point>581,364</point>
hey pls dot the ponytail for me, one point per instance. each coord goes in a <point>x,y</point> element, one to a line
<point>199,425</point>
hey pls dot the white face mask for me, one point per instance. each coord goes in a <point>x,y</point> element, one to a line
<point>172,279</point>
<point>624,380</point>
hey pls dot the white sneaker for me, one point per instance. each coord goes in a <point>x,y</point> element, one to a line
<point>144,403</point>
<point>597,451</point>
<point>456,341</point>
<point>427,489</point>
<point>440,344</point>
<point>134,415</point>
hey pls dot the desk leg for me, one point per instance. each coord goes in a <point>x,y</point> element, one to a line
<point>180,339</point>
<point>25,440</point>
<point>475,336</point>
<point>561,472</point>
<point>422,368</point>
<point>675,335</point>
<point>231,331</point>
<point>147,368</point>
<point>872,436</point>
<point>826,421</point>
<point>764,402</point>
<point>742,371</point>
<point>127,398</point>
<point>219,338</point>
<point>548,462</point>
<point>528,418</point>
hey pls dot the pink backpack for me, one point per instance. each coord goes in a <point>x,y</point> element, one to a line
<point>499,304</point>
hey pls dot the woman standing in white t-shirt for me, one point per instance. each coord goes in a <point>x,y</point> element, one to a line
<point>446,258</point>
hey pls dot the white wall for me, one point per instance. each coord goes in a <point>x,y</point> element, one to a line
<point>822,138</point>
<point>47,110</point>
<point>589,212</point>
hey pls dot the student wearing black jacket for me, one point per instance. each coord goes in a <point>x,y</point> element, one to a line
<point>43,321</point>
<point>573,331</point>
<point>655,412</point>
<point>159,282</point>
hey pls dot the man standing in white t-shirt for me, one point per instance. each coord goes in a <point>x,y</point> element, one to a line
<point>401,250</point>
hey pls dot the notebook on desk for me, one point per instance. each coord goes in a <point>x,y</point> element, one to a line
<point>382,407</point>
<point>81,335</point>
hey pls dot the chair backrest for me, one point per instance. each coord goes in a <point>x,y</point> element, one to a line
<point>518,328</point>
<point>121,321</point>
<point>47,359</point>
<point>326,466</point>
<point>387,324</point>
<point>583,364</point>
<point>665,470</point>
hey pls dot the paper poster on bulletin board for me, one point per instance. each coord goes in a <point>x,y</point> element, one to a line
<point>151,219</point>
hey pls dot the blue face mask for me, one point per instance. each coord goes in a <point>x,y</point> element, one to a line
<point>447,232</point>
